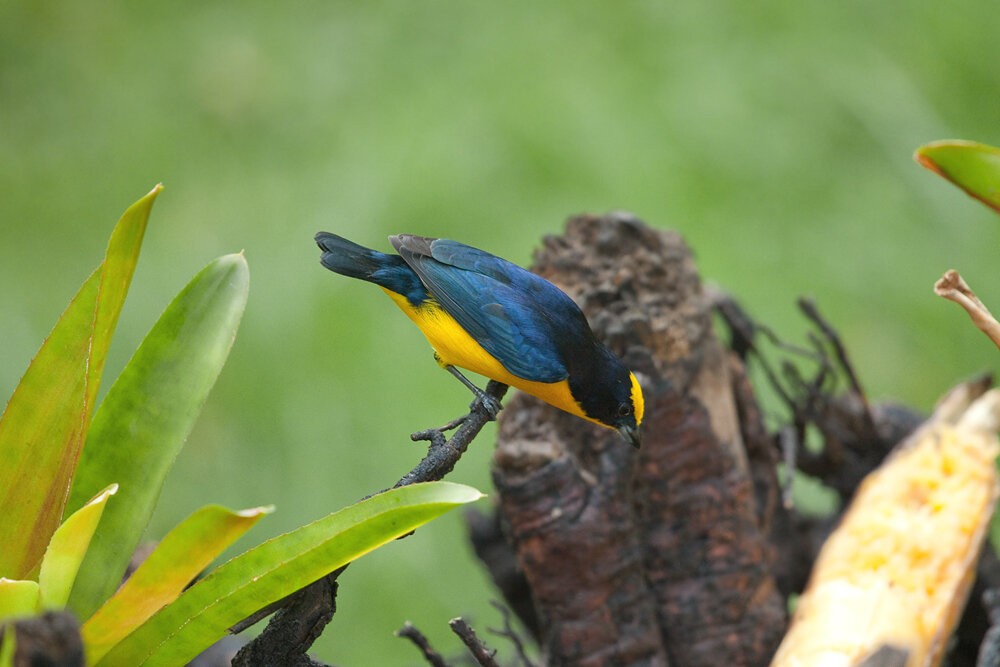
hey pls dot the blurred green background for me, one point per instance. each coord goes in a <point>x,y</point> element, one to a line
<point>777,137</point>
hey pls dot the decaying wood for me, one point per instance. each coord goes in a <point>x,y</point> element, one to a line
<point>494,551</point>
<point>657,557</point>
<point>51,639</point>
<point>684,553</point>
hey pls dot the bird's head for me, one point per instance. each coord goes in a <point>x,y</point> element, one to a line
<point>613,399</point>
<point>628,416</point>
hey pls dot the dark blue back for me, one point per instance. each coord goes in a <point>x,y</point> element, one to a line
<point>521,319</point>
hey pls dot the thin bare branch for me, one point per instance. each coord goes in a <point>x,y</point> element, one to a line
<point>509,633</point>
<point>408,631</point>
<point>283,634</point>
<point>951,286</point>
<point>484,656</point>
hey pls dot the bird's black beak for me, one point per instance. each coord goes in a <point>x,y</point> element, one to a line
<point>631,435</point>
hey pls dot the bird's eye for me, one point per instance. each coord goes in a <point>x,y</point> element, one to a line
<point>624,410</point>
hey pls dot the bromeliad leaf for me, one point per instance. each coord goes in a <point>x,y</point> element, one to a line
<point>8,646</point>
<point>179,557</point>
<point>59,566</point>
<point>45,423</point>
<point>973,167</point>
<point>67,549</point>
<point>147,415</point>
<point>18,597</point>
<point>277,568</point>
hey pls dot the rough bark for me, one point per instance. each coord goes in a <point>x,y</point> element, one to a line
<point>655,557</point>
<point>51,639</point>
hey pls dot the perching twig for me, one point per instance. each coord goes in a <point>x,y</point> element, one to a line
<point>408,631</point>
<point>281,634</point>
<point>483,655</point>
<point>293,629</point>
<point>951,286</point>
<point>442,455</point>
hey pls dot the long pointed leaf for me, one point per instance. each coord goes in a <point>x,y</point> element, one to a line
<point>147,415</point>
<point>17,598</point>
<point>973,167</point>
<point>180,557</point>
<point>273,570</point>
<point>45,423</point>
<point>67,549</point>
<point>8,645</point>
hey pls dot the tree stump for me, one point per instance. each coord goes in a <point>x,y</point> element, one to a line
<point>658,556</point>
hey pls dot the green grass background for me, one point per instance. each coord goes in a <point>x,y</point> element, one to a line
<point>777,137</point>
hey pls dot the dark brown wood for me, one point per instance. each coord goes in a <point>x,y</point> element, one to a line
<point>492,548</point>
<point>51,639</point>
<point>417,638</point>
<point>483,655</point>
<point>293,629</point>
<point>660,556</point>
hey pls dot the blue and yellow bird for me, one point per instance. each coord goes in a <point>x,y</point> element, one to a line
<point>489,316</point>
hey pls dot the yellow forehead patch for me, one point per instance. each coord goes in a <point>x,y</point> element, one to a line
<point>637,401</point>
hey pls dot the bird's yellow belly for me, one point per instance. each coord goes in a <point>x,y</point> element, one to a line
<point>455,347</point>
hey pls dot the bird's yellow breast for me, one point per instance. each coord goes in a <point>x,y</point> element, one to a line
<point>455,347</point>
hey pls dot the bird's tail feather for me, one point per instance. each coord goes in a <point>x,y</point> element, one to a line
<point>389,271</point>
<point>348,258</point>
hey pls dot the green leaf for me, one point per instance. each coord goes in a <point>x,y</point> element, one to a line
<point>971,166</point>
<point>8,645</point>
<point>66,551</point>
<point>18,597</point>
<point>147,415</point>
<point>277,568</point>
<point>45,423</point>
<point>180,557</point>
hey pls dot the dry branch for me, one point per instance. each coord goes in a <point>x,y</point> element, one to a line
<point>433,658</point>
<point>951,286</point>
<point>301,617</point>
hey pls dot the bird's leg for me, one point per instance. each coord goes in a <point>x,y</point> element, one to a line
<point>484,404</point>
<point>479,413</point>
<point>490,404</point>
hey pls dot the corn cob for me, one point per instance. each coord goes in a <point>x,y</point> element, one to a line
<point>897,570</point>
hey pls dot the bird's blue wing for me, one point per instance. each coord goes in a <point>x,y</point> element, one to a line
<point>499,319</point>
<point>515,315</point>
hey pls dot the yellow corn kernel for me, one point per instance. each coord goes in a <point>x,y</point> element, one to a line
<point>898,568</point>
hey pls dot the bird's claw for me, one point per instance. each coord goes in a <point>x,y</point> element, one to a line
<point>486,402</point>
<point>482,403</point>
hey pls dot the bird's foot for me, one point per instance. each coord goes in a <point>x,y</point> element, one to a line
<point>484,404</point>
<point>487,403</point>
